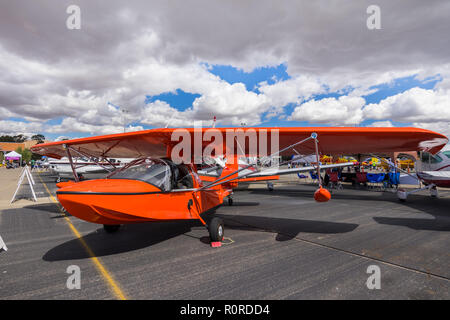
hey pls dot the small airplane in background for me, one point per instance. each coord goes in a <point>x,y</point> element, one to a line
<point>84,167</point>
<point>270,172</point>
<point>212,169</point>
<point>433,170</point>
<point>157,186</point>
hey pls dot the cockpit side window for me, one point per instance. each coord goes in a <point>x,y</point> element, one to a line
<point>184,179</point>
<point>427,157</point>
<point>162,173</point>
<point>154,172</point>
<point>436,159</point>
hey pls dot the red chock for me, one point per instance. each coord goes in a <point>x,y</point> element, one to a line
<point>216,244</point>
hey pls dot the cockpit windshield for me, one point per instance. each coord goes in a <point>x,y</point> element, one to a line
<point>161,173</point>
<point>154,171</point>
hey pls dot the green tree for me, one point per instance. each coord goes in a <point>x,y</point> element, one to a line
<point>20,138</point>
<point>26,154</point>
<point>7,139</point>
<point>36,156</point>
<point>40,138</point>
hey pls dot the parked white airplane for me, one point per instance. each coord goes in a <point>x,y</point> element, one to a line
<point>83,166</point>
<point>269,169</point>
<point>433,171</point>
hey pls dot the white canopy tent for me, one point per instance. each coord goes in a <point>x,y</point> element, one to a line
<point>13,156</point>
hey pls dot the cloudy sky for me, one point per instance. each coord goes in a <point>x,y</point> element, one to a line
<point>260,63</point>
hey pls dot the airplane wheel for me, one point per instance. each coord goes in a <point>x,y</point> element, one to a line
<point>111,228</point>
<point>270,186</point>
<point>216,229</point>
<point>58,180</point>
<point>402,195</point>
<point>434,192</point>
<point>230,201</point>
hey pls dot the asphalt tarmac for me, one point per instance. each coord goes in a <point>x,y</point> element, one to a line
<point>278,245</point>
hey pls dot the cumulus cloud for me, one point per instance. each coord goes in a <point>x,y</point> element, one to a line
<point>440,127</point>
<point>294,90</point>
<point>70,124</point>
<point>345,110</point>
<point>17,127</point>
<point>126,51</point>
<point>233,103</point>
<point>381,124</point>
<point>161,114</point>
<point>414,105</point>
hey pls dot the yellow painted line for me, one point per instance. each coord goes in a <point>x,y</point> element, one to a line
<point>103,271</point>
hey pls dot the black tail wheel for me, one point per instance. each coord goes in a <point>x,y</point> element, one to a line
<point>216,229</point>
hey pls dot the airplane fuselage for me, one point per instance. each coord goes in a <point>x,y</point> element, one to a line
<point>125,200</point>
<point>434,169</point>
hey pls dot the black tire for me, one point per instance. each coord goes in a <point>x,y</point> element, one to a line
<point>58,180</point>
<point>111,228</point>
<point>216,230</point>
<point>230,201</point>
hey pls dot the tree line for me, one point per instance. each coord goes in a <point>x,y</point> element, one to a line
<point>22,138</point>
<point>26,153</point>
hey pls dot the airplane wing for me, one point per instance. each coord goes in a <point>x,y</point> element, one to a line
<point>332,140</point>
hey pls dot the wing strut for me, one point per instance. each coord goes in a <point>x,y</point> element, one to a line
<point>93,159</point>
<point>71,163</point>
<point>314,136</point>
<point>222,180</point>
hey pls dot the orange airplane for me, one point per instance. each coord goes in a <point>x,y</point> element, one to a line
<point>162,183</point>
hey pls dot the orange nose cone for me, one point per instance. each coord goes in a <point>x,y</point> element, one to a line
<point>322,195</point>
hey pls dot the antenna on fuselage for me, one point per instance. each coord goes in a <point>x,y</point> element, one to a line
<point>168,121</point>
<point>124,112</point>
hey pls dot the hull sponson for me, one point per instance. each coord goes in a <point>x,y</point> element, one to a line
<point>121,201</point>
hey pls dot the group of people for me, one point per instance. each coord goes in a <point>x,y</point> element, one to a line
<point>11,164</point>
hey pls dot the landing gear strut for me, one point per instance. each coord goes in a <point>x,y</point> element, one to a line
<point>433,192</point>
<point>403,195</point>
